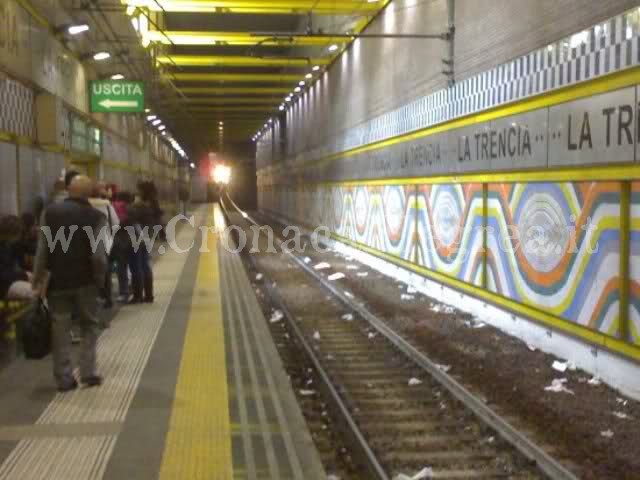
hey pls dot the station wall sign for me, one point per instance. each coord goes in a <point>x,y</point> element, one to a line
<point>116,96</point>
<point>602,129</point>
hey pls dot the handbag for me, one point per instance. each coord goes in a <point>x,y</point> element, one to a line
<point>36,331</point>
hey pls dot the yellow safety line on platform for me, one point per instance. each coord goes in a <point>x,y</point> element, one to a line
<point>198,443</point>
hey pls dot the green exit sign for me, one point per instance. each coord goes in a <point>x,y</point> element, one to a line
<point>116,96</point>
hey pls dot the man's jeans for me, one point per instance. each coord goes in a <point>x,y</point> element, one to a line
<point>80,302</point>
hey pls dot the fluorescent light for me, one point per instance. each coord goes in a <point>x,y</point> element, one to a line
<point>297,89</point>
<point>302,83</point>
<point>271,120</point>
<point>308,75</point>
<point>147,110</point>
<point>162,127</point>
<point>163,133</point>
<point>101,56</point>
<point>221,123</point>
<point>333,48</point>
<point>281,107</point>
<point>117,76</point>
<point>151,117</point>
<point>288,99</point>
<point>77,29</point>
<point>193,165</point>
<point>156,122</point>
<point>316,68</point>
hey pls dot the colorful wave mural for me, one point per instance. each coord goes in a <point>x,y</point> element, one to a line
<point>556,247</point>
<point>449,228</point>
<point>380,217</point>
<point>634,266</point>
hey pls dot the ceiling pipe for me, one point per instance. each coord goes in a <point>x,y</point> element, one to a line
<point>289,36</point>
<point>451,35</point>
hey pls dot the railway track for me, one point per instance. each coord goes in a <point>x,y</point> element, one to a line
<point>400,412</point>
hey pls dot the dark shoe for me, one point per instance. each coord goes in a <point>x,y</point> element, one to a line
<point>68,388</point>
<point>92,381</point>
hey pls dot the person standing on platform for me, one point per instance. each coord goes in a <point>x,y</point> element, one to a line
<point>101,202</point>
<point>70,274</point>
<point>141,217</point>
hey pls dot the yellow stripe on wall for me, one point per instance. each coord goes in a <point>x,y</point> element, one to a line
<point>198,443</point>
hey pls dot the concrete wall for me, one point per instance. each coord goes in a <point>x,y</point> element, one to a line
<point>518,185</point>
<point>378,75</point>
<point>43,87</point>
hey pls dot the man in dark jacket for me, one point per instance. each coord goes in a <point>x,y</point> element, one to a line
<point>74,269</point>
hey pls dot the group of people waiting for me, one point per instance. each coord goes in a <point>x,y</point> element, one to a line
<point>72,279</point>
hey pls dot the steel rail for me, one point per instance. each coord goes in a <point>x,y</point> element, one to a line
<point>349,427</point>
<point>545,462</point>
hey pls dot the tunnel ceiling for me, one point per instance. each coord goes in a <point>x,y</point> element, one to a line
<point>228,61</point>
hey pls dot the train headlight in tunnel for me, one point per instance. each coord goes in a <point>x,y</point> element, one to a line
<point>222,174</point>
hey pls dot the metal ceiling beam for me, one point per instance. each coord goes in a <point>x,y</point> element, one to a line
<point>235,77</point>
<point>295,7</point>
<point>225,109</point>
<point>235,90</point>
<point>234,101</point>
<point>182,37</point>
<point>238,61</point>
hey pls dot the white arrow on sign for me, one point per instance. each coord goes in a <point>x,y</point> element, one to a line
<point>108,104</point>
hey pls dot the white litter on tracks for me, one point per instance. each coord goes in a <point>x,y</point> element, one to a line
<point>307,393</point>
<point>363,274</point>
<point>414,381</point>
<point>372,335</point>
<point>336,276</point>
<point>406,297</point>
<point>347,317</point>
<point>595,381</point>
<point>322,266</point>
<point>276,316</point>
<point>306,260</point>
<point>348,294</point>
<point>444,368</point>
<point>558,386</point>
<point>316,335</point>
<point>352,267</point>
<point>563,366</point>
<point>607,434</point>
<point>621,415</point>
<point>426,472</point>
<point>259,277</point>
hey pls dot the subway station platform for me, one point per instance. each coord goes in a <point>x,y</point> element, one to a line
<point>194,387</point>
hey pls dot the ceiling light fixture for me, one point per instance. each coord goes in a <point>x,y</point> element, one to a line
<point>100,56</point>
<point>78,29</point>
<point>157,122</point>
<point>308,75</point>
<point>151,117</point>
<point>302,83</point>
<point>297,89</point>
<point>316,68</point>
<point>117,76</point>
<point>333,48</point>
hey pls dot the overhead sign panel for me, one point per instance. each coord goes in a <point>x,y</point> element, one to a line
<point>116,96</point>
